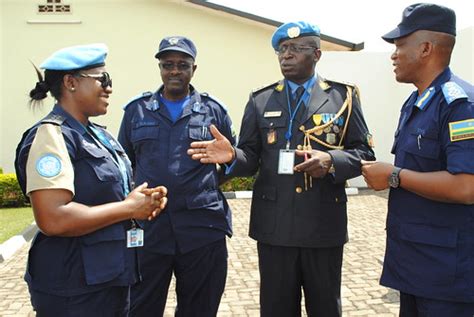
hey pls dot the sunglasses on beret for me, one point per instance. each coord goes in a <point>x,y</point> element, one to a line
<point>103,78</point>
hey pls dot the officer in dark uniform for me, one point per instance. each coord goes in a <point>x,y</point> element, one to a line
<point>77,178</point>
<point>298,213</point>
<point>429,256</point>
<point>188,239</point>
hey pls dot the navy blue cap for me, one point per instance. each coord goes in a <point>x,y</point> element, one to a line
<point>177,43</point>
<point>291,30</point>
<point>77,57</point>
<point>424,16</point>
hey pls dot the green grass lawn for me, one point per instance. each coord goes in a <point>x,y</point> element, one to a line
<point>13,221</point>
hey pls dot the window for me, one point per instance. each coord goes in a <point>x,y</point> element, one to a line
<point>54,7</point>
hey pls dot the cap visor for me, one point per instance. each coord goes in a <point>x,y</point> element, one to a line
<point>398,32</point>
<point>175,49</point>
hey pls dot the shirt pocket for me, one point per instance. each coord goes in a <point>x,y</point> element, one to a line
<point>103,254</point>
<point>101,162</point>
<point>429,252</point>
<point>199,132</point>
<point>423,148</point>
<point>273,132</point>
<point>144,131</point>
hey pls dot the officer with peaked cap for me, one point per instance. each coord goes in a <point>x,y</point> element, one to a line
<point>77,177</point>
<point>306,136</point>
<point>430,229</point>
<point>189,239</point>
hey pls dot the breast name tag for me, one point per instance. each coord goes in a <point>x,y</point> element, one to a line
<point>134,238</point>
<point>286,161</point>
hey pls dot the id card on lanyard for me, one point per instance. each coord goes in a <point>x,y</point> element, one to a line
<point>286,159</point>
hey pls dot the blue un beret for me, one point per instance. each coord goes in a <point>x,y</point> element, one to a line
<point>424,16</point>
<point>177,43</point>
<point>77,57</point>
<point>293,30</point>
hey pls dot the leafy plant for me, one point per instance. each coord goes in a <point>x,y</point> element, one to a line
<point>10,192</point>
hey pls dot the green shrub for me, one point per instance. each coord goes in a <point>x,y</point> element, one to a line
<point>10,192</point>
<point>238,184</point>
<point>1,170</point>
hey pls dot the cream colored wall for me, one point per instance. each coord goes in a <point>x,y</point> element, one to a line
<point>234,57</point>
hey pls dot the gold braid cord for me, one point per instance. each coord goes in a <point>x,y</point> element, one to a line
<point>308,134</point>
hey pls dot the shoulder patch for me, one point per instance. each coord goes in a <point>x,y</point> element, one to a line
<point>461,130</point>
<point>278,86</point>
<point>452,92</point>
<point>220,103</point>
<point>146,94</point>
<point>53,119</point>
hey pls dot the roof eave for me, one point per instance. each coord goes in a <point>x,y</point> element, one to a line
<point>253,17</point>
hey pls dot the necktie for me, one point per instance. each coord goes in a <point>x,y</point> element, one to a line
<point>299,93</point>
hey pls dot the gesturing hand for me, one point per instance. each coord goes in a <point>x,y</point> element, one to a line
<point>215,151</point>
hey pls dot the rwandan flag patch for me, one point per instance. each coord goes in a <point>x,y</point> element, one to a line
<point>461,130</point>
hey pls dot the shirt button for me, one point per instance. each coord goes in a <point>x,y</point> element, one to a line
<point>299,190</point>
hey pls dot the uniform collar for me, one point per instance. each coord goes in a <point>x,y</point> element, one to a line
<point>71,121</point>
<point>423,100</point>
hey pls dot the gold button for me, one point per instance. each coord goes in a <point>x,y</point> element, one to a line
<point>299,147</point>
<point>299,190</point>
<point>337,199</point>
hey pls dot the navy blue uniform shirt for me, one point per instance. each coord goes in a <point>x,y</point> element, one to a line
<point>430,244</point>
<point>69,266</point>
<point>197,212</point>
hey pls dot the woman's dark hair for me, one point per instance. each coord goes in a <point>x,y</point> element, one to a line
<point>52,82</point>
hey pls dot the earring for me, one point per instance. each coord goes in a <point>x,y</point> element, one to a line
<point>72,89</point>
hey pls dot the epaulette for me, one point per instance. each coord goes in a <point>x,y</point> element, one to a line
<point>278,86</point>
<point>220,103</point>
<point>53,119</point>
<point>146,94</point>
<point>325,84</point>
<point>452,92</point>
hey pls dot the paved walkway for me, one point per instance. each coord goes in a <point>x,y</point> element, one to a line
<point>361,292</point>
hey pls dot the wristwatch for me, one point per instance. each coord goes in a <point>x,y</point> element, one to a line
<point>394,177</point>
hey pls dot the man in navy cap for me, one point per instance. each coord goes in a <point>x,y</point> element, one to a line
<point>306,136</point>
<point>188,238</point>
<point>429,256</point>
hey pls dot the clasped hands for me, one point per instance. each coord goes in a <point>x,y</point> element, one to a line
<point>147,203</point>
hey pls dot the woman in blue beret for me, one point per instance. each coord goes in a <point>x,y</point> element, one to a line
<point>77,177</point>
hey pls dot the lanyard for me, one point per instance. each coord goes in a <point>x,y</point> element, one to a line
<point>115,157</point>
<point>292,116</point>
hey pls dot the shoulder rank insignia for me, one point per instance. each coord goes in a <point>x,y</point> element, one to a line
<point>452,92</point>
<point>461,130</point>
<point>146,94</point>
<point>217,101</point>
<point>324,85</point>
<point>52,118</point>
<point>278,84</point>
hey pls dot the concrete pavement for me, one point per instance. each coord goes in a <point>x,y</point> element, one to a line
<point>361,293</point>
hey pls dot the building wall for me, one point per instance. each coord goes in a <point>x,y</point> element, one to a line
<point>234,57</point>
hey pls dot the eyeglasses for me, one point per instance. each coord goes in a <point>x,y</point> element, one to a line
<point>293,49</point>
<point>103,78</point>
<point>180,66</point>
